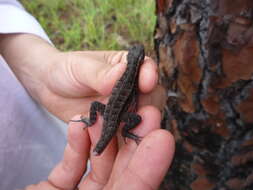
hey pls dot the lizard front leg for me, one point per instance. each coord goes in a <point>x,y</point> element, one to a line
<point>95,107</point>
<point>131,121</point>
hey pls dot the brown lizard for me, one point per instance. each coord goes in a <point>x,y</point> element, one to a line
<point>123,98</point>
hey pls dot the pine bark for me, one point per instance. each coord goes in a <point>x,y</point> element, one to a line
<point>205,54</point>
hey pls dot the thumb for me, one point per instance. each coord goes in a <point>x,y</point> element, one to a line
<point>98,70</point>
<point>79,74</point>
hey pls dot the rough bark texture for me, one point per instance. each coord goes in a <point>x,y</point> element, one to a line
<point>205,54</point>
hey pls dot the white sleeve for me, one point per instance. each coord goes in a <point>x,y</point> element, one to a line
<point>33,140</point>
<point>14,19</point>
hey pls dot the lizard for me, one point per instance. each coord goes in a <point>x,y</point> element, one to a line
<point>123,99</point>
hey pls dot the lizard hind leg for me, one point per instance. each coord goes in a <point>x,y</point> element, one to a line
<point>95,107</point>
<point>131,121</point>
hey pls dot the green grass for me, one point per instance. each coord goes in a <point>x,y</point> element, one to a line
<point>96,24</point>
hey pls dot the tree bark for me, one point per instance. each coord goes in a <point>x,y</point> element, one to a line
<point>205,54</point>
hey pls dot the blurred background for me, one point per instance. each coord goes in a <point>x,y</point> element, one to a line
<point>96,24</point>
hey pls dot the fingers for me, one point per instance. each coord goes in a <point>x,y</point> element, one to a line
<point>68,172</point>
<point>105,166</point>
<point>42,186</point>
<point>127,151</point>
<point>96,70</point>
<point>102,164</point>
<point>156,98</point>
<point>99,71</point>
<point>148,76</point>
<point>131,161</point>
<point>149,163</point>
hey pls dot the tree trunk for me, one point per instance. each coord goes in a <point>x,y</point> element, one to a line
<point>205,54</point>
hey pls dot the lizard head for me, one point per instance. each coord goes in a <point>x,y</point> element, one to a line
<point>136,54</point>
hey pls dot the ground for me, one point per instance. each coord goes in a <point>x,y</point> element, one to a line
<point>96,24</point>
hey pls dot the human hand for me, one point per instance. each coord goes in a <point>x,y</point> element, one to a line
<point>84,77</point>
<point>128,167</point>
<point>67,83</point>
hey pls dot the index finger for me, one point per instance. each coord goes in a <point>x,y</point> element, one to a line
<point>148,76</point>
<point>149,164</point>
<point>69,171</point>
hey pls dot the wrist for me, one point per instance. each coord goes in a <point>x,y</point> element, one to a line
<point>28,56</point>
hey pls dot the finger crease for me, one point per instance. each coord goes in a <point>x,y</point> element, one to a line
<point>70,69</point>
<point>140,178</point>
<point>95,179</point>
<point>53,185</point>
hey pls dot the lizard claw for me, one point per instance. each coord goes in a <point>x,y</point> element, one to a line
<point>83,120</point>
<point>138,140</point>
<point>125,141</point>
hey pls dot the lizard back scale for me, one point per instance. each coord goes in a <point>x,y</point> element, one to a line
<point>124,96</point>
